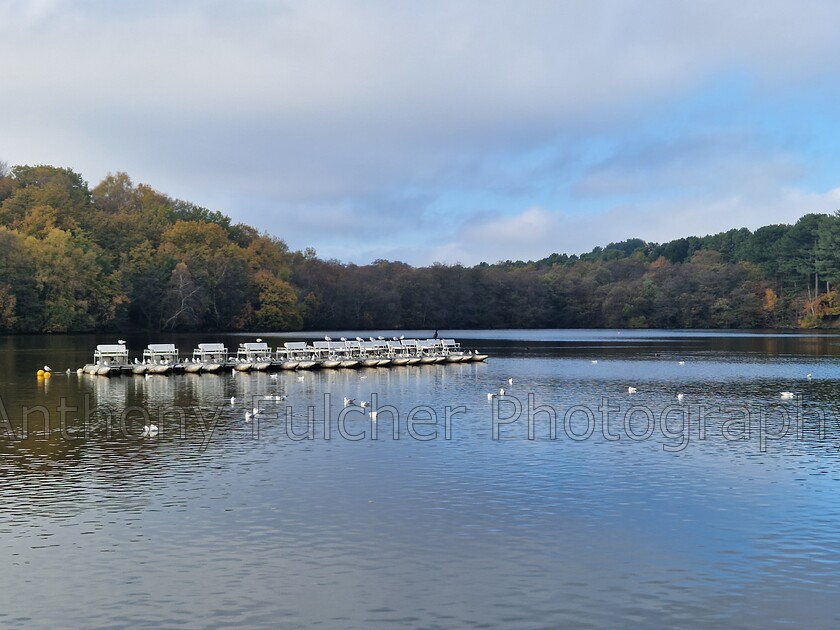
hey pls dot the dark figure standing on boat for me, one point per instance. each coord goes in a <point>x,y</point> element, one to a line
<point>436,333</point>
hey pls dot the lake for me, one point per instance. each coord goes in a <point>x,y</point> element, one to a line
<point>706,498</point>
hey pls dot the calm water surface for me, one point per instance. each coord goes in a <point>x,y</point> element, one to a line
<point>720,509</point>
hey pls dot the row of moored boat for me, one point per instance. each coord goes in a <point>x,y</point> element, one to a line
<point>164,358</point>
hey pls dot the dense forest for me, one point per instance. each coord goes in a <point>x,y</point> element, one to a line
<point>124,256</point>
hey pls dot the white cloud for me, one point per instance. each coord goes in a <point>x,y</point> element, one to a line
<point>722,160</point>
<point>536,233</point>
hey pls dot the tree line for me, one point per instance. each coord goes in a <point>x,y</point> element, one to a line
<point>125,256</point>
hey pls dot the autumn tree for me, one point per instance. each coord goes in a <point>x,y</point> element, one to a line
<point>218,267</point>
<point>75,292</point>
<point>278,304</point>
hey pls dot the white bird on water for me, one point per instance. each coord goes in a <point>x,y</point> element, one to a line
<point>787,395</point>
<point>349,401</point>
<point>365,404</point>
<point>373,415</point>
<point>47,368</point>
<point>232,400</point>
<point>247,416</point>
<point>810,376</point>
<point>680,362</point>
<point>150,430</point>
<point>121,342</point>
<point>501,391</point>
<point>631,390</point>
<point>510,381</point>
<point>680,397</point>
<point>259,340</point>
<point>491,396</point>
<point>594,361</point>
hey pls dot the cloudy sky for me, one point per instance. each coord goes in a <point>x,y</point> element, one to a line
<point>451,131</point>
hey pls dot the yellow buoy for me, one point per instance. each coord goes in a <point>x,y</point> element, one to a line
<point>40,372</point>
<point>47,374</point>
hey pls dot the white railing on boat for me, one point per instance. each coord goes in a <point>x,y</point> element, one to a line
<point>254,351</point>
<point>160,353</point>
<point>110,354</point>
<point>210,352</point>
<point>296,350</point>
<point>354,348</point>
<point>427,347</point>
<point>450,345</point>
